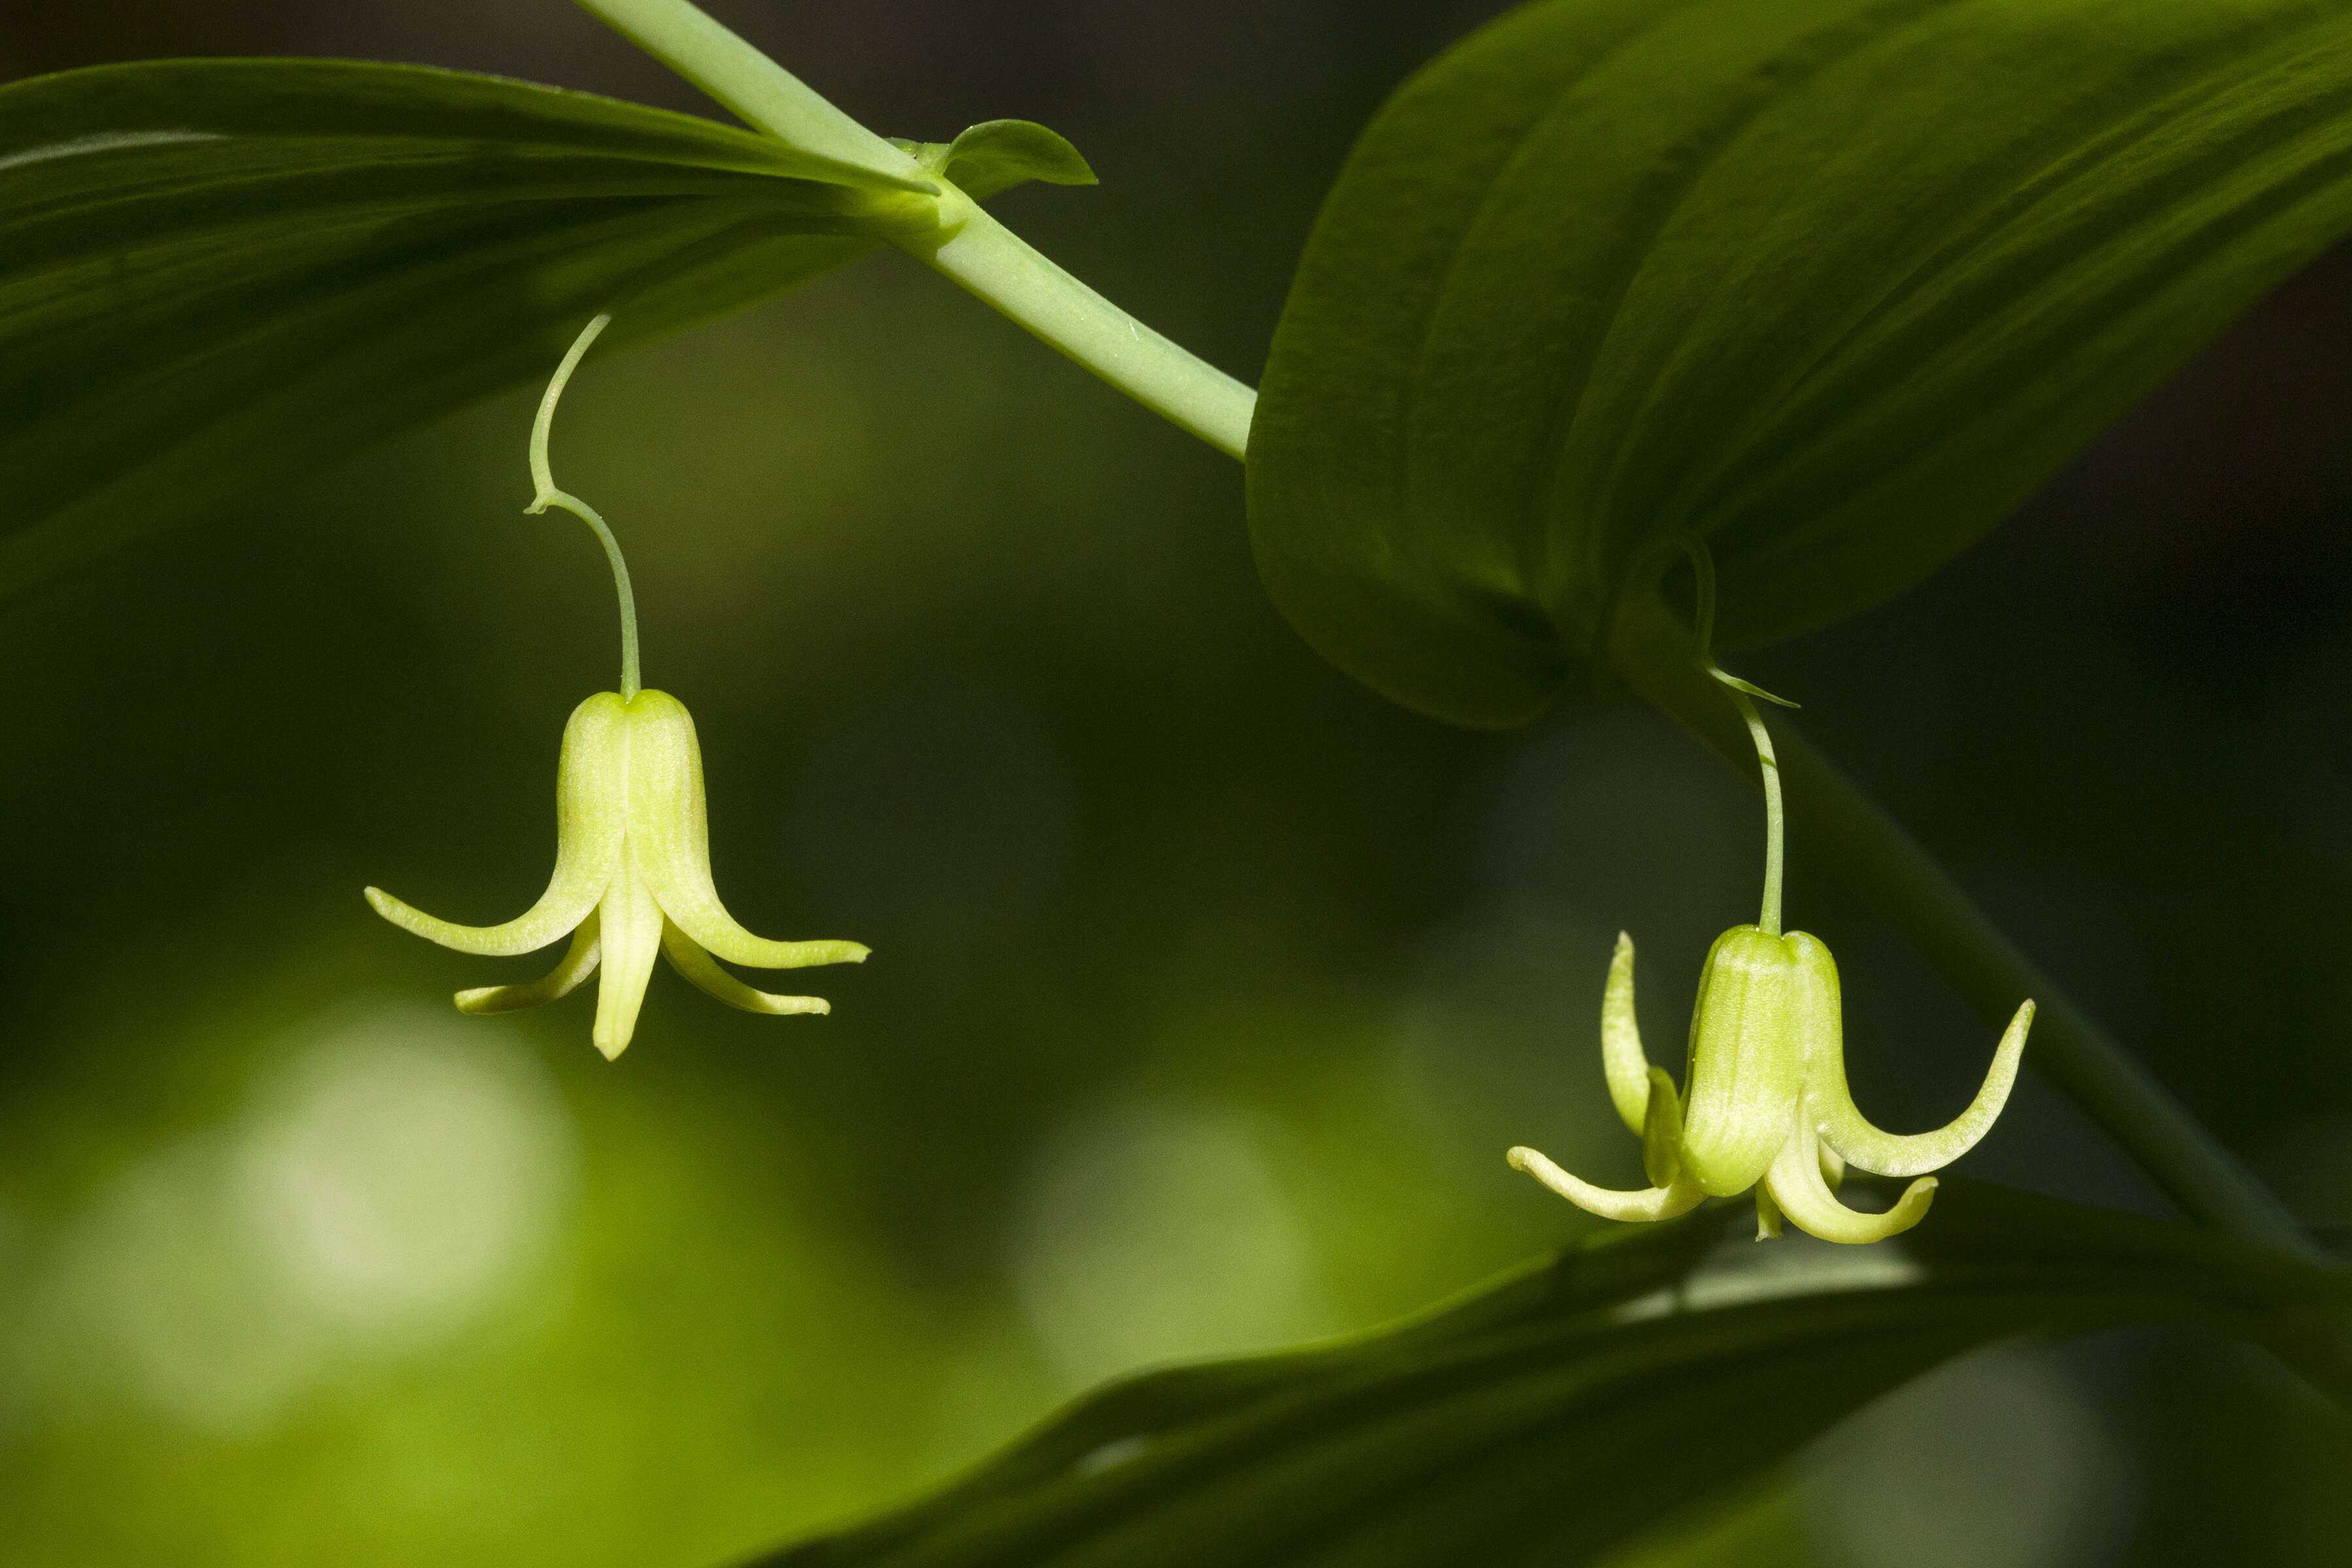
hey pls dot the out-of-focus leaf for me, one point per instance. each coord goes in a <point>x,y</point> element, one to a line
<point>1831,284</point>
<point>219,274</point>
<point>1552,1416</point>
<point>997,155</point>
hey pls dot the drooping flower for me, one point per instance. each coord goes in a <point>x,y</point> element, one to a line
<point>632,879</point>
<point>1766,1104</point>
<point>633,838</point>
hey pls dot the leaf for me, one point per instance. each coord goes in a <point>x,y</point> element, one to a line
<point>1555,1414</point>
<point>998,154</point>
<point>1828,284</point>
<point>216,275</point>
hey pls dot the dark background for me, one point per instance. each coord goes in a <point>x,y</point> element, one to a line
<point>1208,988</point>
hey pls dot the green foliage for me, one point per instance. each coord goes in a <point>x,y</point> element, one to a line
<point>1555,1414</point>
<point>220,275</point>
<point>1829,284</point>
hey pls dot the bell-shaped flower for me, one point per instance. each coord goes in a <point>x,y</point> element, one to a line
<point>632,879</point>
<point>1766,1105</point>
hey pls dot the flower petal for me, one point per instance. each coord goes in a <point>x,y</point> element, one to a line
<point>1662,1132</point>
<point>1794,1184</point>
<point>1656,1203</point>
<point>631,934</point>
<point>1622,1060</point>
<point>700,968</point>
<point>579,961</point>
<point>590,800</point>
<point>669,839</point>
<point>1850,1134</point>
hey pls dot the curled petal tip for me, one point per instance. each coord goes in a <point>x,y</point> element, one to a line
<point>775,1007</point>
<point>1912,1206</point>
<point>407,917</point>
<point>476,999</point>
<point>823,950</point>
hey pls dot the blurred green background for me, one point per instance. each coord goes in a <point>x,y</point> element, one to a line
<point>1207,990</point>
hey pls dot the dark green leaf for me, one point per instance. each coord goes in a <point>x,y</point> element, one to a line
<point>1831,284</point>
<point>1557,1413</point>
<point>218,274</point>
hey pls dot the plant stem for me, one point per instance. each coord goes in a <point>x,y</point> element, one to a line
<point>1870,853</point>
<point>1003,269</point>
<point>749,85</point>
<point>972,248</point>
<point>1768,767</point>
<point>545,494</point>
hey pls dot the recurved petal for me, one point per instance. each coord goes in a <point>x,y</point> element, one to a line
<point>1662,1132</point>
<point>579,961</point>
<point>545,921</point>
<point>1656,1203</point>
<point>669,840</point>
<point>589,802</point>
<point>631,935</point>
<point>1846,1131</point>
<point>1622,1060</point>
<point>699,967</point>
<point>1794,1184</point>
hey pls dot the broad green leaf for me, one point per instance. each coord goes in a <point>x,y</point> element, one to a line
<point>1559,1413</point>
<point>1828,284</point>
<point>998,154</point>
<point>218,274</point>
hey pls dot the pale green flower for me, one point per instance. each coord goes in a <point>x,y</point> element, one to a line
<point>631,837</point>
<point>1766,1104</point>
<point>632,879</point>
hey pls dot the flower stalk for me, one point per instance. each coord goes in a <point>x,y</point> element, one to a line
<point>546,494</point>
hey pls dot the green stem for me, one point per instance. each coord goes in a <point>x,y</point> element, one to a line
<point>1774,821</point>
<point>1870,852</point>
<point>546,494</point>
<point>1003,269</point>
<point>970,246</point>
<point>1768,766</point>
<point>748,84</point>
